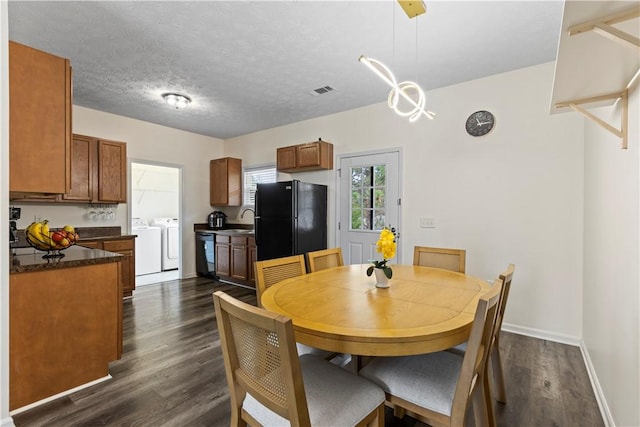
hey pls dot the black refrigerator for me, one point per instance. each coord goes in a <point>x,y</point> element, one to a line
<point>291,219</point>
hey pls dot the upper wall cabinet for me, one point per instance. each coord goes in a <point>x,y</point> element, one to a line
<point>39,121</point>
<point>315,155</point>
<point>225,182</point>
<point>598,60</point>
<point>98,170</point>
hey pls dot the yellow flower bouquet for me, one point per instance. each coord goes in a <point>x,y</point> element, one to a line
<point>386,246</point>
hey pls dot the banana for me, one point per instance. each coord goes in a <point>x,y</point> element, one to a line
<point>35,228</point>
<point>44,233</point>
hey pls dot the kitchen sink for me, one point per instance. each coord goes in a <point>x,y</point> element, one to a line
<point>239,230</point>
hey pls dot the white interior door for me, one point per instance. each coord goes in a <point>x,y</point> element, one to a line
<point>369,200</point>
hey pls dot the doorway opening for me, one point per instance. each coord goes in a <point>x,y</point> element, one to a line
<point>156,218</point>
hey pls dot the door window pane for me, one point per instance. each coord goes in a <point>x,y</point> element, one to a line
<point>368,197</point>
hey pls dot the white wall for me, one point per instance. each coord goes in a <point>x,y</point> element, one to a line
<point>154,191</point>
<point>611,260</point>
<point>513,196</point>
<point>154,143</point>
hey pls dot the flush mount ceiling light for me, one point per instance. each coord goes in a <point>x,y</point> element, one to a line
<point>409,91</point>
<point>176,100</point>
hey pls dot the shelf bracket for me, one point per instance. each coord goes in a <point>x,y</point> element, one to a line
<point>603,26</point>
<point>624,116</point>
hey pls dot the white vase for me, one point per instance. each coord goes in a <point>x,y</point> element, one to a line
<point>382,281</point>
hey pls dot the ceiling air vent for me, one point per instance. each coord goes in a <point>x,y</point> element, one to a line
<point>322,90</point>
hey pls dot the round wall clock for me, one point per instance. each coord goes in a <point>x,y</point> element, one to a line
<point>480,123</point>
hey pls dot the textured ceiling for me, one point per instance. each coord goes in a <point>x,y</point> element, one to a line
<point>251,65</point>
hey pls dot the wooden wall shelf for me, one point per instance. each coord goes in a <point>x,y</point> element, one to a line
<point>598,60</point>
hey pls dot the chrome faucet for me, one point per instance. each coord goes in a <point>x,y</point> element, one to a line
<point>247,209</point>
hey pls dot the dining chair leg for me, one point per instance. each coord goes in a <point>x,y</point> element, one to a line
<point>399,412</point>
<point>479,400</point>
<point>379,421</point>
<point>236,418</point>
<point>500,393</point>
<point>488,400</point>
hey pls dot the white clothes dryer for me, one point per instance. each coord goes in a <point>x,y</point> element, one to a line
<point>170,231</point>
<point>148,247</point>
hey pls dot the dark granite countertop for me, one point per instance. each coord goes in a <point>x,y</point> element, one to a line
<point>235,232</point>
<point>228,230</point>
<point>28,259</point>
<point>85,233</point>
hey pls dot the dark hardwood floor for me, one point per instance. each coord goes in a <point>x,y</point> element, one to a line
<point>172,374</point>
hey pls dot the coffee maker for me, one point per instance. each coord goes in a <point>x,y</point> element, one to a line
<point>14,214</point>
<point>217,219</point>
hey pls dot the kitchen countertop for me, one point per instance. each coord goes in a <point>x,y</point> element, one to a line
<point>228,230</point>
<point>84,233</point>
<point>29,259</point>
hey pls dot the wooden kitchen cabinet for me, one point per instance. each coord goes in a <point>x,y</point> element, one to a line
<point>225,186</point>
<point>112,172</point>
<point>65,327</point>
<point>128,271</point>
<point>127,248</point>
<point>252,254</point>
<point>235,256</point>
<point>39,121</point>
<point>239,258</point>
<point>82,164</point>
<point>317,155</point>
<point>223,255</point>
<point>98,170</point>
<point>286,158</point>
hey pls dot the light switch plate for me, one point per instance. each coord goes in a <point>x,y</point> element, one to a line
<point>426,222</point>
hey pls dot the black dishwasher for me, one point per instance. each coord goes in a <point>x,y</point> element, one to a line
<point>205,254</point>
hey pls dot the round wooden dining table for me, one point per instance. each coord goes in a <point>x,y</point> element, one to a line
<point>340,309</point>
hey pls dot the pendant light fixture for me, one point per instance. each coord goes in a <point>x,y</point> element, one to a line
<point>409,91</point>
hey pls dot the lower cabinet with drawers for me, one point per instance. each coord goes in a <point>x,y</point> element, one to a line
<point>124,246</point>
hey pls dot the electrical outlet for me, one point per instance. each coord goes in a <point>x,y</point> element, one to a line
<point>427,222</point>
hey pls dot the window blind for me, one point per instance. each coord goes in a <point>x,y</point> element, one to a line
<point>253,177</point>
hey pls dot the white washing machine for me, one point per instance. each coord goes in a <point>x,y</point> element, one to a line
<point>148,247</point>
<point>170,241</point>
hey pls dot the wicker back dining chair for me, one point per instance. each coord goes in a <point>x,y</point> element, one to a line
<point>449,259</point>
<point>271,271</point>
<point>437,388</point>
<point>270,385</point>
<point>323,259</point>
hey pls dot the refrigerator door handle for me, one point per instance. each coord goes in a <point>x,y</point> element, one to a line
<point>256,233</point>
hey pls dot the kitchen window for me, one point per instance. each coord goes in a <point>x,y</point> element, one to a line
<point>253,177</point>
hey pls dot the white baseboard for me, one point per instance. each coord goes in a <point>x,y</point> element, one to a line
<point>541,334</point>
<point>56,396</point>
<point>7,422</point>
<point>607,417</point>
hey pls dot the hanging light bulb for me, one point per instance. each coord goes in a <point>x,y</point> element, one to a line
<point>400,90</point>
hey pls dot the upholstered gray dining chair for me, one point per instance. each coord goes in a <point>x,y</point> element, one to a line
<point>437,388</point>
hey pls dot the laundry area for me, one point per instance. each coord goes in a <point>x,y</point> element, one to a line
<point>155,219</point>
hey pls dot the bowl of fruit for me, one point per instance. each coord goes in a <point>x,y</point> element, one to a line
<point>41,237</point>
